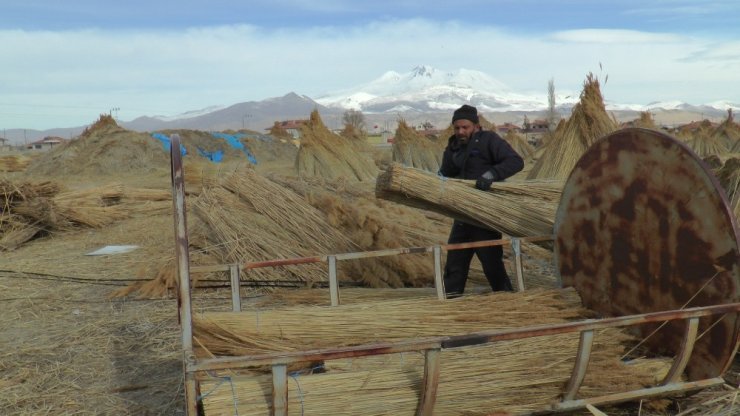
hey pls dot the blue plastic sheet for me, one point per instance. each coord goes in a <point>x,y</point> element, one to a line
<point>167,144</point>
<point>233,141</point>
<point>216,156</point>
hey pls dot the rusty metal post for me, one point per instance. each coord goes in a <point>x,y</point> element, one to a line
<point>236,299</point>
<point>439,283</point>
<point>185,310</point>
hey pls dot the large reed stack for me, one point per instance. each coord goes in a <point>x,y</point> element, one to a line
<point>410,148</point>
<point>587,123</point>
<point>327,155</point>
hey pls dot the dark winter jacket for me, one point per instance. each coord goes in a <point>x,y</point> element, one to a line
<point>485,151</point>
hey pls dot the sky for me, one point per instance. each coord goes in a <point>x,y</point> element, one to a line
<point>63,63</point>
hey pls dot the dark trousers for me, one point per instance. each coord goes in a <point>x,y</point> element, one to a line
<point>458,261</point>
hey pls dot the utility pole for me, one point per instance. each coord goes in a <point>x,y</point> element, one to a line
<point>110,112</point>
<point>246,116</point>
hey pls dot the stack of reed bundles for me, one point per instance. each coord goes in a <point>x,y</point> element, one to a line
<point>729,178</point>
<point>518,209</point>
<point>411,148</point>
<point>327,155</point>
<point>510,376</point>
<point>34,209</point>
<point>706,142</point>
<point>519,144</point>
<point>14,163</point>
<point>588,122</point>
<point>728,132</point>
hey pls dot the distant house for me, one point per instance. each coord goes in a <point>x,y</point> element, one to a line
<point>293,127</point>
<point>45,144</point>
<point>535,130</point>
<point>507,127</point>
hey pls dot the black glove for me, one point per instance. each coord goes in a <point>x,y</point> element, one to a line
<point>484,182</point>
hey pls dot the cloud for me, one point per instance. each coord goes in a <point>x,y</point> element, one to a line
<point>611,36</point>
<point>166,72</point>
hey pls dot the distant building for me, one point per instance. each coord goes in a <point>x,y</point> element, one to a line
<point>293,127</point>
<point>535,130</point>
<point>507,127</point>
<point>45,144</point>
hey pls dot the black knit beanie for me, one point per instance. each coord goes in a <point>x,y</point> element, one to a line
<point>466,112</point>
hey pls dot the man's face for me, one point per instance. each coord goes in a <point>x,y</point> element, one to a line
<point>464,129</point>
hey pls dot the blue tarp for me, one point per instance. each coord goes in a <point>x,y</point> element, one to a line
<point>233,140</point>
<point>216,156</point>
<point>166,143</point>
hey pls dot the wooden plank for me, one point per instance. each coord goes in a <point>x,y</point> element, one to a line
<point>682,358</point>
<point>581,365</point>
<point>429,383</point>
<point>236,299</point>
<point>439,283</point>
<point>333,282</point>
<point>516,246</point>
<point>279,390</point>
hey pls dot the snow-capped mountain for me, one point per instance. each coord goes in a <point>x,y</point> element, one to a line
<point>428,89</point>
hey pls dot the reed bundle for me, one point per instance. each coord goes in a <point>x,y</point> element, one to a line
<point>588,122</point>
<point>303,328</point>
<point>519,144</point>
<point>729,178</point>
<point>251,218</point>
<point>410,148</point>
<point>327,155</point>
<point>511,376</point>
<point>31,209</point>
<point>518,209</point>
<point>728,132</point>
<point>704,143</point>
<point>14,163</point>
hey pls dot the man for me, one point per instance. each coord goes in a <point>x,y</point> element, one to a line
<point>472,153</point>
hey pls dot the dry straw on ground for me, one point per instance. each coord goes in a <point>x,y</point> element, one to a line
<point>327,155</point>
<point>518,375</point>
<point>410,148</point>
<point>518,209</point>
<point>588,122</point>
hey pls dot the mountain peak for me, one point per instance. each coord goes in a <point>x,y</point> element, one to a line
<point>422,71</point>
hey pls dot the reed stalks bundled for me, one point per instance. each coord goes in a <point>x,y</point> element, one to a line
<point>327,155</point>
<point>587,123</point>
<point>410,148</point>
<point>303,328</point>
<point>729,178</point>
<point>519,144</point>
<point>511,376</point>
<point>517,209</point>
<point>14,163</point>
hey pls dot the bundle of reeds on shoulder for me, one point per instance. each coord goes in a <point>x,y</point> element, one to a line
<point>728,133</point>
<point>410,148</point>
<point>518,209</point>
<point>330,156</point>
<point>588,122</point>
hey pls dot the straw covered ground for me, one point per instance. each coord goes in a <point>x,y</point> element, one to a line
<point>87,334</point>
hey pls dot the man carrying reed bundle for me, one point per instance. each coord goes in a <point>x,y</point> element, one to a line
<point>473,153</point>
